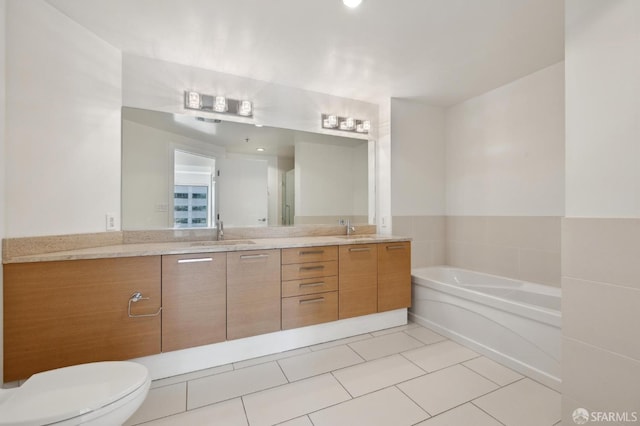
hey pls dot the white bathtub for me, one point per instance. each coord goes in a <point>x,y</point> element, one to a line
<point>516,323</point>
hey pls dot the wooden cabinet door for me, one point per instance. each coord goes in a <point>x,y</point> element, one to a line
<point>253,293</point>
<point>63,313</point>
<point>394,276</point>
<point>357,280</point>
<point>194,300</point>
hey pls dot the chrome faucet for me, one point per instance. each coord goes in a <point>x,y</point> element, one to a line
<point>350,228</point>
<point>220,231</point>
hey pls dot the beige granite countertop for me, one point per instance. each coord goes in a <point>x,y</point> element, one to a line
<point>161,248</point>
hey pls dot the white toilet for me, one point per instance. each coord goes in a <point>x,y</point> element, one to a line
<point>100,393</point>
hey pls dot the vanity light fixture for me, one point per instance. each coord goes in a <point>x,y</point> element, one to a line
<point>193,100</point>
<point>245,108</point>
<point>217,103</point>
<point>346,124</point>
<point>329,121</point>
<point>220,104</point>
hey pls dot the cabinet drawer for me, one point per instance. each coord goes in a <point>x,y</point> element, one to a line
<point>309,286</point>
<point>309,270</point>
<point>301,311</point>
<point>309,254</point>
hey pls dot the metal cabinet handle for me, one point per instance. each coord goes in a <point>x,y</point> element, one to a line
<point>311,268</point>
<point>360,249</point>
<point>136,297</point>
<point>316,300</point>
<point>253,256</point>
<point>201,259</point>
<point>317,284</point>
<point>395,247</point>
<point>311,252</point>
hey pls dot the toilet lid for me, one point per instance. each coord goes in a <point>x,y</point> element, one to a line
<point>61,394</point>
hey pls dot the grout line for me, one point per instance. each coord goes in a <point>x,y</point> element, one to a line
<point>283,373</point>
<point>486,412</point>
<point>482,375</point>
<point>186,395</point>
<point>244,408</point>
<point>412,400</point>
<point>343,386</point>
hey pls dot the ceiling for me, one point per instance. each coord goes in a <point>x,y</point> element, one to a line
<point>437,51</point>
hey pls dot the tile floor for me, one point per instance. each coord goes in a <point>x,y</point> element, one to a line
<point>406,375</point>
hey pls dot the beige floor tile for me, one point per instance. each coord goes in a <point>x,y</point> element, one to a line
<point>375,375</point>
<point>212,389</point>
<point>382,408</point>
<point>268,358</point>
<point>440,355</point>
<point>425,335</point>
<point>493,371</point>
<point>405,327</point>
<point>300,421</point>
<point>467,414</point>
<point>293,400</point>
<point>161,402</point>
<point>339,342</point>
<point>388,344</point>
<point>319,362</point>
<point>191,376</point>
<point>228,413</point>
<point>523,403</point>
<point>445,389</point>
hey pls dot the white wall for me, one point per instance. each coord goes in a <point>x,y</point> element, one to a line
<point>417,159</point>
<point>63,124</point>
<point>326,181</point>
<point>159,86</point>
<point>601,240</point>
<point>602,77</point>
<point>505,149</point>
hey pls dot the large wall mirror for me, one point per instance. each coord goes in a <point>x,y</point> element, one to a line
<point>183,171</point>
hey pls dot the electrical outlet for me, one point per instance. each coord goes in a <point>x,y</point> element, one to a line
<point>111,222</point>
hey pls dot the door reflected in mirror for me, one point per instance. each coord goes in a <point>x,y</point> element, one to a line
<point>182,171</point>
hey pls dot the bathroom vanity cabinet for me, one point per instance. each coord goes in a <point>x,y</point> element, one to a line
<point>309,286</point>
<point>63,313</point>
<point>194,300</point>
<point>253,293</point>
<point>394,276</point>
<point>358,280</point>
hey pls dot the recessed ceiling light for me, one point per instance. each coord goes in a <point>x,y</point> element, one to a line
<point>260,149</point>
<point>352,3</point>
